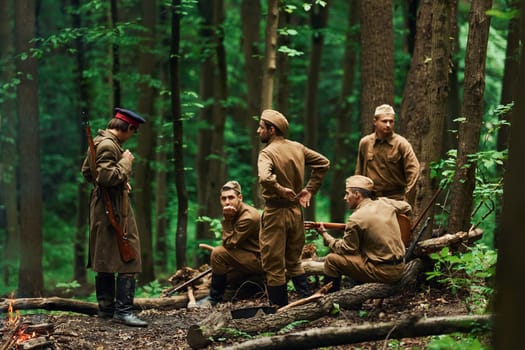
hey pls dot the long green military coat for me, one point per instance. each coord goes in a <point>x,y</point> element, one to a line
<point>113,173</point>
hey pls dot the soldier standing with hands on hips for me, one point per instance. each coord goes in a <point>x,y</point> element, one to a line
<point>281,166</point>
<point>110,172</point>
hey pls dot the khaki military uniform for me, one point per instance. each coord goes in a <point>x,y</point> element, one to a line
<point>390,163</point>
<point>114,173</point>
<point>371,249</point>
<point>281,164</point>
<point>240,244</point>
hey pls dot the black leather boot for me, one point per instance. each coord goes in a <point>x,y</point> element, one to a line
<point>278,295</point>
<point>301,286</point>
<point>124,303</point>
<point>105,290</point>
<point>217,288</point>
<point>336,283</point>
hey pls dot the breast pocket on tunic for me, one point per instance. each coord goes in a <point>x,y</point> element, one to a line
<point>394,158</point>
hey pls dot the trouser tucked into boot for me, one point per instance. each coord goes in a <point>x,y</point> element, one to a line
<point>278,295</point>
<point>336,283</point>
<point>105,290</point>
<point>124,302</point>
<point>217,288</point>
<point>301,286</point>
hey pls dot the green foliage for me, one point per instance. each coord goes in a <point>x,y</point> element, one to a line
<point>398,344</point>
<point>235,333</point>
<point>489,163</point>
<point>456,342</point>
<point>215,225</point>
<point>68,286</point>
<point>468,273</point>
<point>291,326</point>
<point>150,290</point>
<point>336,309</point>
<point>363,313</point>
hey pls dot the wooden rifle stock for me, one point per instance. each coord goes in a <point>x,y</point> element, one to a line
<point>127,253</point>
<point>327,225</point>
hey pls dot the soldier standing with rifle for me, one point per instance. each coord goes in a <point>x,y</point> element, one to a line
<point>114,245</point>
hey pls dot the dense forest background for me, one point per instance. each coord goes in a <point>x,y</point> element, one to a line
<point>200,72</point>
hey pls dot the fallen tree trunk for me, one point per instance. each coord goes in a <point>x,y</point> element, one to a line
<point>88,308</point>
<point>217,324</point>
<point>454,241</point>
<point>332,336</point>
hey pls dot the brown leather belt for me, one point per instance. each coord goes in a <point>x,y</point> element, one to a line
<point>387,262</point>
<point>273,203</point>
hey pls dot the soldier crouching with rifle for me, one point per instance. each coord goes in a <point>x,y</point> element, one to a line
<point>371,249</point>
<point>114,245</point>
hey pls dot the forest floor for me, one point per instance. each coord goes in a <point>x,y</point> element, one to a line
<point>168,329</point>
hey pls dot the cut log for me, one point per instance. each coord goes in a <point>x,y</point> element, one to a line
<point>215,325</point>
<point>454,241</point>
<point>333,336</point>
<point>87,308</point>
<point>313,267</point>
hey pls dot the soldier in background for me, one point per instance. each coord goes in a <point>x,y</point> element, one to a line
<point>388,158</point>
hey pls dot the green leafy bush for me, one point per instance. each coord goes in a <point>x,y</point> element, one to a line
<point>467,273</point>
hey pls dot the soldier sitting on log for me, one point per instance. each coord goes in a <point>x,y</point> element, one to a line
<point>239,252</point>
<point>371,249</point>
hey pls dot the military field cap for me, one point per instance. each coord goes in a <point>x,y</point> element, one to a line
<point>360,181</point>
<point>128,116</point>
<point>232,185</point>
<point>384,109</point>
<point>276,118</point>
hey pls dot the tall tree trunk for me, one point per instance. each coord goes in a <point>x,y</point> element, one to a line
<point>426,90</point>
<point>509,87</point>
<point>164,148</point>
<point>178,143</point>
<point>510,283</point>
<point>115,55</point>
<point>343,147</point>
<point>454,100</point>
<point>282,82</point>
<point>250,18</point>
<point>8,140</point>
<point>220,95</point>
<point>509,94</point>
<point>472,110</point>
<point>377,58</point>
<point>272,21</point>
<point>318,21</point>
<point>410,11</point>
<point>79,268</point>
<point>144,173</point>
<point>205,133</point>
<point>210,158</point>
<point>30,277</point>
